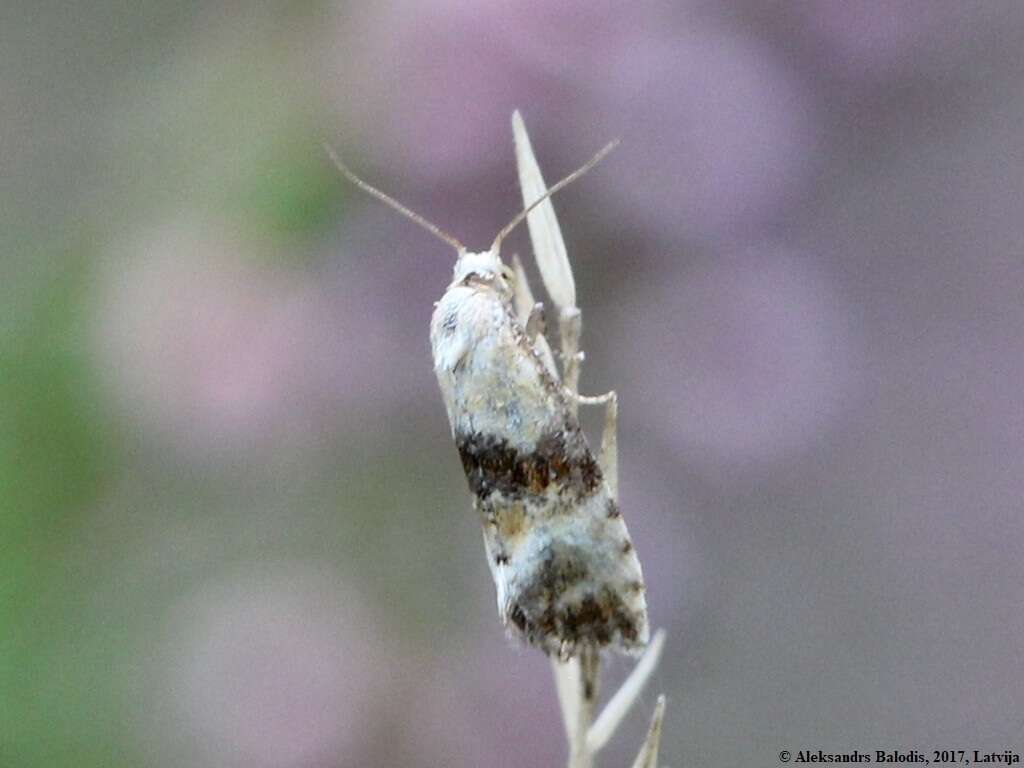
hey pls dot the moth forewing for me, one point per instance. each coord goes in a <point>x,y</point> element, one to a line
<point>564,568</point>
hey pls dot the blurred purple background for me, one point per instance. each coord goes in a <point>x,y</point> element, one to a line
<point>234,530</point>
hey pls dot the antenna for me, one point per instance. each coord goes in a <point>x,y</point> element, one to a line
<point>371,190</point>
<point>551,190</point>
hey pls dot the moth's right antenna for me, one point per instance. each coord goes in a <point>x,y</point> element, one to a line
<point>432,228</point>
<point>551,190</point>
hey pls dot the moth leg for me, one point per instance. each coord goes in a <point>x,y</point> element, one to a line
<point>535,323</point>
<point>609,458</point>
<point>593,399</point>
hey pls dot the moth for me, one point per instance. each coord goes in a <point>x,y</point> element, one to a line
<point>566,573</point>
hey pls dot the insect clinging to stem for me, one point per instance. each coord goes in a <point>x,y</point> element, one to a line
<point>564,567</point>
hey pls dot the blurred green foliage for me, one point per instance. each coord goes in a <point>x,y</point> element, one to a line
<point>56,460</point>
<point>164,120</point>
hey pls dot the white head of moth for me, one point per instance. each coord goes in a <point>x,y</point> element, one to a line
<point>566,573</point>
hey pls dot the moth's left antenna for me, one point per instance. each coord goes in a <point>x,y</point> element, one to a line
<point>432,228</point>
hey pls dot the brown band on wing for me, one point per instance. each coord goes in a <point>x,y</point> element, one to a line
<point>560,458</point>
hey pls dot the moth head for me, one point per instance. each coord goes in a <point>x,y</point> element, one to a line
<point>485,268</point>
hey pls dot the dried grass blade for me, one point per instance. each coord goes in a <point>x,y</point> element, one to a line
<point>648,756</point>
<point>545,233</point>
<point>616,709</point>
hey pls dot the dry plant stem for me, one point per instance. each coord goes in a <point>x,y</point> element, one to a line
<point>570,326</point>
<point>589,660</point>
<point>567,684</point>
<point>576,679</point>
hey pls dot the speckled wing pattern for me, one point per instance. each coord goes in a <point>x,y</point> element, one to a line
<point>563,564</point>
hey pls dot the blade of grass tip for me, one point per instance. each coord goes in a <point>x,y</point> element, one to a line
<point>648,756</point>
<point>545,233</point>
<point>608,721</point>
<point>524,305</point>
<point>567,684</point>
